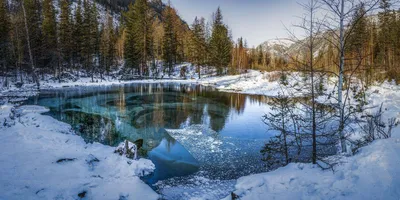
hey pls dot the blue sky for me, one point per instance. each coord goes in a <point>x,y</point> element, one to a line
<point>255,20</point>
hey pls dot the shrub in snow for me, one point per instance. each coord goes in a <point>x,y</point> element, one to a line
<point>374,128</point>
<point>10,120</point>
<point>129,149</point>
<point>277,150</point>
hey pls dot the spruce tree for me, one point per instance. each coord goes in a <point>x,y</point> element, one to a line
<point>107,45</point>
<point>138,36</point>
<point>49,30</point>
<point>77,51</point>
<point>170,41</point>
<point>65,32</point>
<point>220,44</point>
<point>132,59</point>
<point>87,49</point>
<point>385,29</point>
<point>90,37</point>
<point>199,44</point>
<point>260,56</point>
<point>33,20</point>
<point>142,33</point>
<point>356,41</point>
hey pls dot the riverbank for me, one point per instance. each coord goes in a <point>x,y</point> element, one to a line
<point>253,82</point>
<point>372,173</point>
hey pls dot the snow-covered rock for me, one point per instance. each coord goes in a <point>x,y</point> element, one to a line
<point>127,148</point>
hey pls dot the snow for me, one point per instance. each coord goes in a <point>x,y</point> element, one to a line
<point>38,141</point>
<point>372,173</point>
<point>41,158</point>
<point>253,82</point>
<point>196,187</point>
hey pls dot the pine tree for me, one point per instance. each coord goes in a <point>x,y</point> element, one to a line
<point>49,30</point>
<point>33,20</point>
<point>107,48</point>
<point>131,58</point>
<point>77,51</point>
<point>87,49</point>
<point>199,44</point>
<point>32,17</point>
<point>65,32</point>
<point>356,41</point>
<point>158,36</point>
<point>260,56</point>
<point>142,33</point>
<point>94,30</point>
<point>220,44</point>
<point>385,29</point>
<point>170,41</point>
<point>182,37</point>
<point>90,37</point>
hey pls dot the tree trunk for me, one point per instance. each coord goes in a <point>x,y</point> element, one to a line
<point>314,125</point>
<point>341,76</point>
<point>32,64</point>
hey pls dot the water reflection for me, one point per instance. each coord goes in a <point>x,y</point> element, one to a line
<point>229,122</point>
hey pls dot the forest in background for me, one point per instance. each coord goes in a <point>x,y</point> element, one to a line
<point>83,38</point>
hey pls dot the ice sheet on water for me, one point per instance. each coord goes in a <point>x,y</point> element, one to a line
<point>196,186</point>
<point>220,156</point>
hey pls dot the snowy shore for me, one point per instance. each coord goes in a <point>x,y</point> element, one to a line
<point>253,82</point>
<point>372,173</point>
<point>32,144</point>
<point>41,158</point>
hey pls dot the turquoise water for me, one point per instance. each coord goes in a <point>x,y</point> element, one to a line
<point>188,130</point>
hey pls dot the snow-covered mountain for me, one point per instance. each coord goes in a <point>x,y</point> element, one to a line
<point>277,46</point>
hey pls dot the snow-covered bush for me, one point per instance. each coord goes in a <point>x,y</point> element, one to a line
<point>129,149</point>
<point>374,127</point>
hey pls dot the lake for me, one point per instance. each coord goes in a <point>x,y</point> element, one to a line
<point>193,134</point>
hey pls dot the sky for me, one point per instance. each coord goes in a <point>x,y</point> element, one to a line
<point>255,20</point>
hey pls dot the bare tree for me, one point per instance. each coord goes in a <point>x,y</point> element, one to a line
<point>307,63</point>
<point>340,23</point>
<point>305,125</point>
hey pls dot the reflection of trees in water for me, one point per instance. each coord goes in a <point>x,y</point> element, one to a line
<point>170,142</point>
<point>158,114</point>
<point>171,105</point>
<point>121,101</point>
<point>93,127</point>
<point>161,105</point>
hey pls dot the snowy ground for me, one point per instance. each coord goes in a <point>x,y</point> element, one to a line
<point>372,173</point>
<point>41,158</point>
<point>38,141</point>
<point>254,82</point>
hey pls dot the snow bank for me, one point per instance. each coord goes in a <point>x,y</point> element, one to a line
<point>253,82</point>
<point>371,174</point>
<point>41,158</point>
